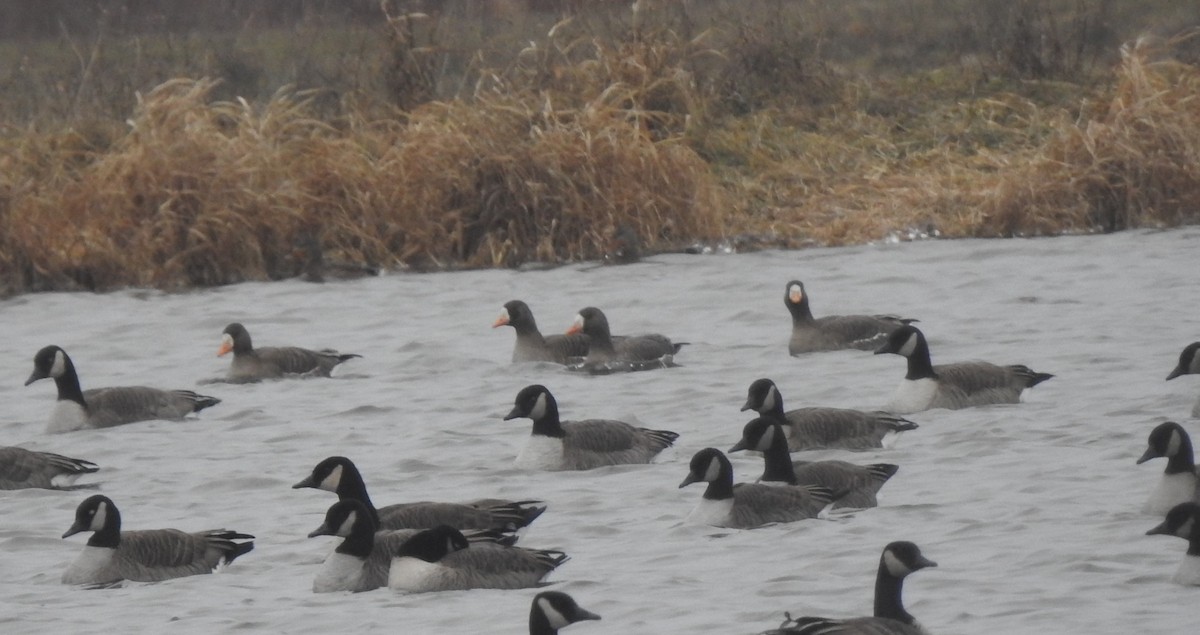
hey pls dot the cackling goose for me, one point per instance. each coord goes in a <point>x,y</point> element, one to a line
<point>1183,521</point>
<point>953,386</point>
<point>748,505</point>
<point>104,407</point>
<point>441,559</point>
<point>580,445</point>
<point>552,610</point>
<point>1180,482</point>
<point>820,428</point>
<point>833,332</point>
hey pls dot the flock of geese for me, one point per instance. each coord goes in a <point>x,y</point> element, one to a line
<point>436,546</point>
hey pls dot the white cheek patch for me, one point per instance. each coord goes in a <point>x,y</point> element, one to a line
<point>910,346</point>
<point>714,471</point>
<point>539,408</point>
<point>764,441</point>
<point>100,517</point>
<point>555,618</point>
<point>330,483</point>
<point>348,524</point>
<point>894,565</point>
<point>1185,530</point>
<point>60,364</point>
<point>769,400</point>
<point>1173,443</point>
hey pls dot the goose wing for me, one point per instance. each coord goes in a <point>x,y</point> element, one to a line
<point>816,428</point>
<point>499,567</point>
<point>21,468</point>
<point>858,331</point>
<point>162,554</point>
<point>755,505</point>
<point>293,360</point>
<point>853,626</point>
<point>127,404</point>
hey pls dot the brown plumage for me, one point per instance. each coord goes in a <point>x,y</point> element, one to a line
<point>251,364</point>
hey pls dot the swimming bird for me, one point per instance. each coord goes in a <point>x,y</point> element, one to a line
<point>1183,521</point>
<point>580,445</point>
<point>531,346</point>
<point>253,364</point>
<point>21,469</point>
<point>441,559</point>
<point>1189,364</point>
<point>339,475</point>
<point>105,407</point>
<point>362,561</point>
<point>854,486</point>
<point>632,352</point>
<point>820,428</point>
<point>147,555</point>
<point>899,559</point>
<point>1180,482</point>
<point>748,505</point>
<point>953,386</point>
<point>552,610</point>
<point>833,332</point>
<point>317,268</point>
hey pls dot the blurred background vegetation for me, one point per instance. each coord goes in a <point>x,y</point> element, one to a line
<point>178,144</point>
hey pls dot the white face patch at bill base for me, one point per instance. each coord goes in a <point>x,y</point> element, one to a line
<point>795,293</point>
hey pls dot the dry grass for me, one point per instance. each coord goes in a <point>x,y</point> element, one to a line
<point>660,124</point>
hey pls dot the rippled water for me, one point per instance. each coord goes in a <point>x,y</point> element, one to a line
<point>1031,510</point>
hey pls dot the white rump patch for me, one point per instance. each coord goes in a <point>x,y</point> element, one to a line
<point>556,619</point>
<point>541,453</point>
<point>910,346</point>
<point>894,565</point>
<point>60,364</point>
<point>330,483</point>
<point>539,408</point>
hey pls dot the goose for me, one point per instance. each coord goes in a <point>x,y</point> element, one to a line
<point>531,346</point>
<point>1183,521</point>
<point>1189,364</point>
<point>317,268</point>
<point>105,407</point>
<point>899,559</point>
<point>821,428</point>
<point>339,475</point>
<point>1180,482</point>
<point>833,332</point>
<point>441,559</point>
<point>854,486</point>
<point>148,555</point>
<point>953,386</point>
<point>633,352</point>
<point>552,610</point>
<point>21,469</point>
<point>580,445</point>
<point>253,364</point>
<point>748,505</point>
<point>361,561</point>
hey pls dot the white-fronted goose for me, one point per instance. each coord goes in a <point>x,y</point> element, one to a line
<point>105,407</point>
<point>833,332</point>
<point>748,505</point>
<point>339,475</point>
<point>253,364</point>
<point>531,346</point>
<point>1189,364</point>
<point>21,469</point>
<point>361,562</point>
<point>1183,521</point>
<point>1180,482</point>
<point>899,559</point>
<point>149,555</point>
<point>628,353</point>
<point>821,428</point>
<point>853,486</point>
<point>552,610</point>
<point>441,559</point>
<point>953,386</point>
<point>580,445</point>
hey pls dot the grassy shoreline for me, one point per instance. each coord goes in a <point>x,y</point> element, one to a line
<point>748,124</point>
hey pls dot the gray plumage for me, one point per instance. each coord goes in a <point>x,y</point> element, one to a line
<point>21,468</point>
<point>252,364</point>
<point>748,505</point>
<point>833,332</point>
<point>580,445</point>
<point>817,428</point>
<point>532,346</point>
<point>1189,364</point>
<point>106,407</point>
<point>851,626</point>
<point>112,555</point>
<point>952,386</point>
<point>853,486</point>
<point>441,559</point>
<point>1180,482</point>
<point>629,353</point>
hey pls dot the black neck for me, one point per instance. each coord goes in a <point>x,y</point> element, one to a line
<point>539,624</point>
<point>68,383</point>
<point>722,488</point>
<point>360,542</point>
<point>1194,544</point>
<point>108,536</point>
<point>801,313</point>
<point>777,460</point>
<point>888,602</point>
<point>352,487</point>
<point>549,425</point>
<point>920,366</point>
<point>1183,459</point>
